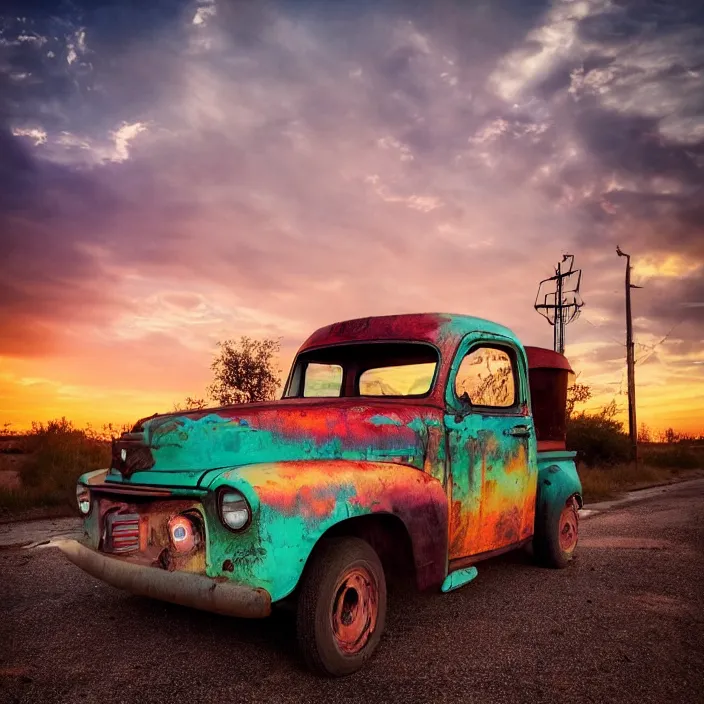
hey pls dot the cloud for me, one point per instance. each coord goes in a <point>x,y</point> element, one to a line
<point>123,136</point>
<point>216,168</point>
<point>38,135</point>
<point>205,10</point>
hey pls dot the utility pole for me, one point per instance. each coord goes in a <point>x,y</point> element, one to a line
<point>558,331</point>
<point>630,361</point>
<point>562,305</point>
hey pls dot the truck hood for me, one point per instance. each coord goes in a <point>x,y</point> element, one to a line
<point>181,449</point>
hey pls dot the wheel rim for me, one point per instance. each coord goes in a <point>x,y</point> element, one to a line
<point>354,610</point>
<point>569,528</point>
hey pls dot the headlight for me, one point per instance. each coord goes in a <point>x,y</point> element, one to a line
<point>234,510</point>
<point>183,533</point>
<point>83,499</point>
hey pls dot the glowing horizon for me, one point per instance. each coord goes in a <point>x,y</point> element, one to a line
<point>186,175</point>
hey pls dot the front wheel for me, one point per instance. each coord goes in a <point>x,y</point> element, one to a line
<point>554,544</point>
<point>341,606</point>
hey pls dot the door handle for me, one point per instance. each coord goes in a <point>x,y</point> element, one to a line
<point>518,431</point>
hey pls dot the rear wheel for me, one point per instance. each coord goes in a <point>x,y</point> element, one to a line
<point>341,606</point>
<point>555,543</point>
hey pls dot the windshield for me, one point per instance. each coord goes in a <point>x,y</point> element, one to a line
<point>364,369</point>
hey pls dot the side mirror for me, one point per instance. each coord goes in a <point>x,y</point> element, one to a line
<point>467,407</point>
<point>466,400</point>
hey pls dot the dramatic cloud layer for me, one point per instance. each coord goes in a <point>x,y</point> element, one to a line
<point>177,173</point>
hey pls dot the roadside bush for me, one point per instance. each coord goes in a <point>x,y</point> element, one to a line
<point>57,454</point>
<point>598,438</point>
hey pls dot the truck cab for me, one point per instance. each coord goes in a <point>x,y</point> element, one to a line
<point>414,445</point>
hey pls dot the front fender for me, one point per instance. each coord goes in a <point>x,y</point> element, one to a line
<point>295,503</point>
<point>557,482</point>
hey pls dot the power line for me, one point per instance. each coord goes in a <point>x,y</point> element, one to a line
<point>598,327</point>
<point>652,348</point>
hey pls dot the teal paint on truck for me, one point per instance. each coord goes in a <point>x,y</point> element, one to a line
<point>294,504</point>
<point>558,482</point>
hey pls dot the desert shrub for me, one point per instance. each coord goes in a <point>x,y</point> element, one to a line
<point>598,438</point>
<point>58,453</point>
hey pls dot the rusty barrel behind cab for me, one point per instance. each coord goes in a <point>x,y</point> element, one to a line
<point>549,376</point>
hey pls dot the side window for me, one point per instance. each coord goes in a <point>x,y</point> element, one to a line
<point>322,380</point>
<point>486,377</point>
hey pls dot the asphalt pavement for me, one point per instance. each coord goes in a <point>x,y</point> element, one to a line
<point>623,623</point>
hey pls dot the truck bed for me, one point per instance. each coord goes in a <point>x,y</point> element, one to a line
<point>546,457</point>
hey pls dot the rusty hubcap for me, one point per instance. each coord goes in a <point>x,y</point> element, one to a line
<point>354,610</point>
<point>568,528</point>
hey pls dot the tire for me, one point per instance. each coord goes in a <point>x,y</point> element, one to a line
<point>341,606</point>
<point>555,543</point>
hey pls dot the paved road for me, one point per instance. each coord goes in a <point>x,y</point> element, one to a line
<point>623,623</point>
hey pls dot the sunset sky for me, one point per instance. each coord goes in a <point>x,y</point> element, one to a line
<point>177,173</point>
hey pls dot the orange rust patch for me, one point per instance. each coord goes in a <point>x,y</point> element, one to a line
<point>490,446</point>
<point>498,528</point>
<point>517,462</point>
<point>321,487</point>
<point>312,503</point>
<point>460,530</point>
<point>355,610</point>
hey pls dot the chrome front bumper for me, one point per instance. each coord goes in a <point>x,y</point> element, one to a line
<point>184,588</point>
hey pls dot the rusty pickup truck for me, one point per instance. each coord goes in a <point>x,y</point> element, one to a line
<point>404,447</point>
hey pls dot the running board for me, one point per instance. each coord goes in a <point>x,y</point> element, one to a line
<point>458,578</point>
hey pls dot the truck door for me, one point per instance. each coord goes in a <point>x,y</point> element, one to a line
<point>492,450</point>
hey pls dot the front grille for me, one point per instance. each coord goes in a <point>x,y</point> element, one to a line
<point>122,532</point>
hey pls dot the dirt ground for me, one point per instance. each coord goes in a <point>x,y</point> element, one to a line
<point>623,623</point>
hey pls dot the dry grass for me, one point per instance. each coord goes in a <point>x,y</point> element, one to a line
<point>600,483</point>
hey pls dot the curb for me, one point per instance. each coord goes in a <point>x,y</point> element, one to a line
<point>595,509</point>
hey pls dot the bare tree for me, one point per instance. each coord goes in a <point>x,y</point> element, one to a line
<point>670,436</point>
<point>644,434</point>
<point>577,393</point>
<point>245,371</point>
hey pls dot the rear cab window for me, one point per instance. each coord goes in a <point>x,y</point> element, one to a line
<point>322,380</point>
<point>390,369</point>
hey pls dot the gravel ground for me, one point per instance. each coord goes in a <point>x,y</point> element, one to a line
<point>623,623</point>
<point>28,533</point>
